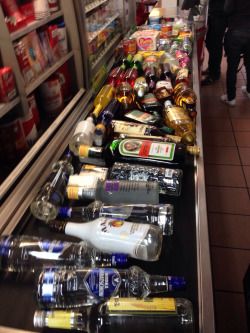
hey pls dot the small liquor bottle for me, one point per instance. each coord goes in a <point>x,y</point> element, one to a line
<point>125,127</point>
<point>123,315</point>
<point>116,76</point>
<point>30,253</point>
<point>150,103</point>
<point>185,97</point>
<point>51,195</point>
<point>138,240</point>
<point>161,215</point>
<point>125,95</point>
<point>141,151</point>
<point>141,86</point>
<point>71,288</point>
<point>143,117</point>
<point>103,98</point>
<point>178,119</point>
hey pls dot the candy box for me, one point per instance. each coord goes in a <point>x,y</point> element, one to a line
<point>146,40</point>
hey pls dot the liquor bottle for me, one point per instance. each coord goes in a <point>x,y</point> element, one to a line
<point>131,75</point>
<point>124,94</point>
<point>70,288</point>
<point>141,151</point>
<point>137,63</point>
<point>178,118</point>
<point>104,121</point>
<point>186,98</point>
<point>121,314</point>
<point>103,98</point>
<point>116,76</point>
<point>30,253</point>
<point>169,180</point>
<point>151,78</point>
<point>51,195</point>
<point>187,45</point>
<point>127,62</point>
<point>161,215</point>
<point>163,90</point>
<point>141,86</point>
<point>120,126</point>
<point>84,134</point>
<point>114,191</point>
<point>143,117</point>
<point>150,103</point>
<point>165,71</point>
<point>182,76</point>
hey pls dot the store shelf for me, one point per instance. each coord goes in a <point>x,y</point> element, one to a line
<point>106,53</point>
<point>6,107</point>
<point>34,25</point>
<point>93,35</point>
<point>94,5</point>
<point>34,84</point>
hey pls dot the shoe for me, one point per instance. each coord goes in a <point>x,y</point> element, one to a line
<point>205,72</point>
<point>244,90</point>
<point>208,81</point>
<point>225,100</point>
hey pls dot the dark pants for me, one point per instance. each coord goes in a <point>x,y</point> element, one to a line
<point>237,42</point>
<point>216,28</point>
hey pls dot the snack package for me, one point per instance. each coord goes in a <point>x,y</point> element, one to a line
<point>147,40</point>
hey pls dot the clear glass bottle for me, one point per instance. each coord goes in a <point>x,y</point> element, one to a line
<point>83,135</point>
<point>29,253</point>
<point>141,241</point>
<point>169,180</point>
<point>51,195</point>
<point>178,118</point>
<point>70,288</point>
<point>123,315</point>
<point>161,215</point>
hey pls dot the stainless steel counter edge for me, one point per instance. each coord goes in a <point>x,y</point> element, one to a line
<point>205,290</point>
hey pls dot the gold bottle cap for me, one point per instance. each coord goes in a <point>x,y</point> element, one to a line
<point>173,138</point>
<point>193,150</point>
<point>100,127</point>
<point>189,138</point>
<point>72,192</point>
<point>83,151</point>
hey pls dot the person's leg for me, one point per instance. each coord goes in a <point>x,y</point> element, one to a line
<point>233,48</point>
<point>247,61</point>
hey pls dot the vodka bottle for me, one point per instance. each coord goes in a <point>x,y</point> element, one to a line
<point>161,215</point>
<point>140,241</point>
<point>30,253</point>
<point>70,288</point>
<point>51,195</point>
<point>115,191</point>
<point>121,314</point>
<point>84,134</point>
<point>169,180</point>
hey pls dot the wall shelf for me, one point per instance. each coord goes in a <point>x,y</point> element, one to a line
<point>94,5</point>
<point>93,35</point>
<point>6,107</point>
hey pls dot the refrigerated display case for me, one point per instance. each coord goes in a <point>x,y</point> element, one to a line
<point>185,253</point>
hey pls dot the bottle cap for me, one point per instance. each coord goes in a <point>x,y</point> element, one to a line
<point>176,283</point>
<point>64,212</point>
<point>72,192</point>
<point>189,138</point>
<point>83,151</point>
<point>39,318</point>
<point>119,259</point>
<point>193,150</point>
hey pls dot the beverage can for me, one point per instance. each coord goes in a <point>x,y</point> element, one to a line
<point>129,46</point>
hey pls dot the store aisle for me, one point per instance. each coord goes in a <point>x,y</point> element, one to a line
<point>226,140</point>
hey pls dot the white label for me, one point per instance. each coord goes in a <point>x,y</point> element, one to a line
<point>84,180</point>
<point>129,128</point>
<point>120,236</point>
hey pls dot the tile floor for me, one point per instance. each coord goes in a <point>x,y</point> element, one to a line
<point>226,140</point>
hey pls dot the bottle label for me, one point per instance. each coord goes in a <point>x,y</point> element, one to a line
<point>122,236</point>
<point>143,306</point>
<point>164,83</point>
<point>102,282</point>
<point>147,149</point>
<point>129,128</point>
<point>176,114</point>
<point>60,319</point>
<point>149,99</point>
<point>140,116</point>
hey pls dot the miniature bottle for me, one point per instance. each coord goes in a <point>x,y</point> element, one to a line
<point>103,98</point>
<point>141,86</point>
<point>121,314</point>
<point>161,215</point>
<point>125,95</point>
<point>29,253</point>
<point>70,288</point>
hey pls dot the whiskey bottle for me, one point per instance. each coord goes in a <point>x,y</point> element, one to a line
<point>138,240</point>
<point>178,119</point>
<point>103,98</point>
<point>72,288</point>
<point>125,95</point>
<point>141,151</point>
<point>169,180</point>
<point>121,314</point>
<point>161,215</point>
<point>29,253</point>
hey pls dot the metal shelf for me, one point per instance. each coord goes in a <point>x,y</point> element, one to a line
<point>94,5</point>
<point>105,53</point>
<point>35,83</point>
<point>34,25</point>
<point>6,107</point>
<point>93,35</point>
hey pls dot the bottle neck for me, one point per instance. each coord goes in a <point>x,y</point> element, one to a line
<point>91,152</point>
<point>159,284</point>
<point>110,260</point>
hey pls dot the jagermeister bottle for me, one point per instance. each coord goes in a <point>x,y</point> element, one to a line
<point>141,151</point>
<point>178,119</point>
